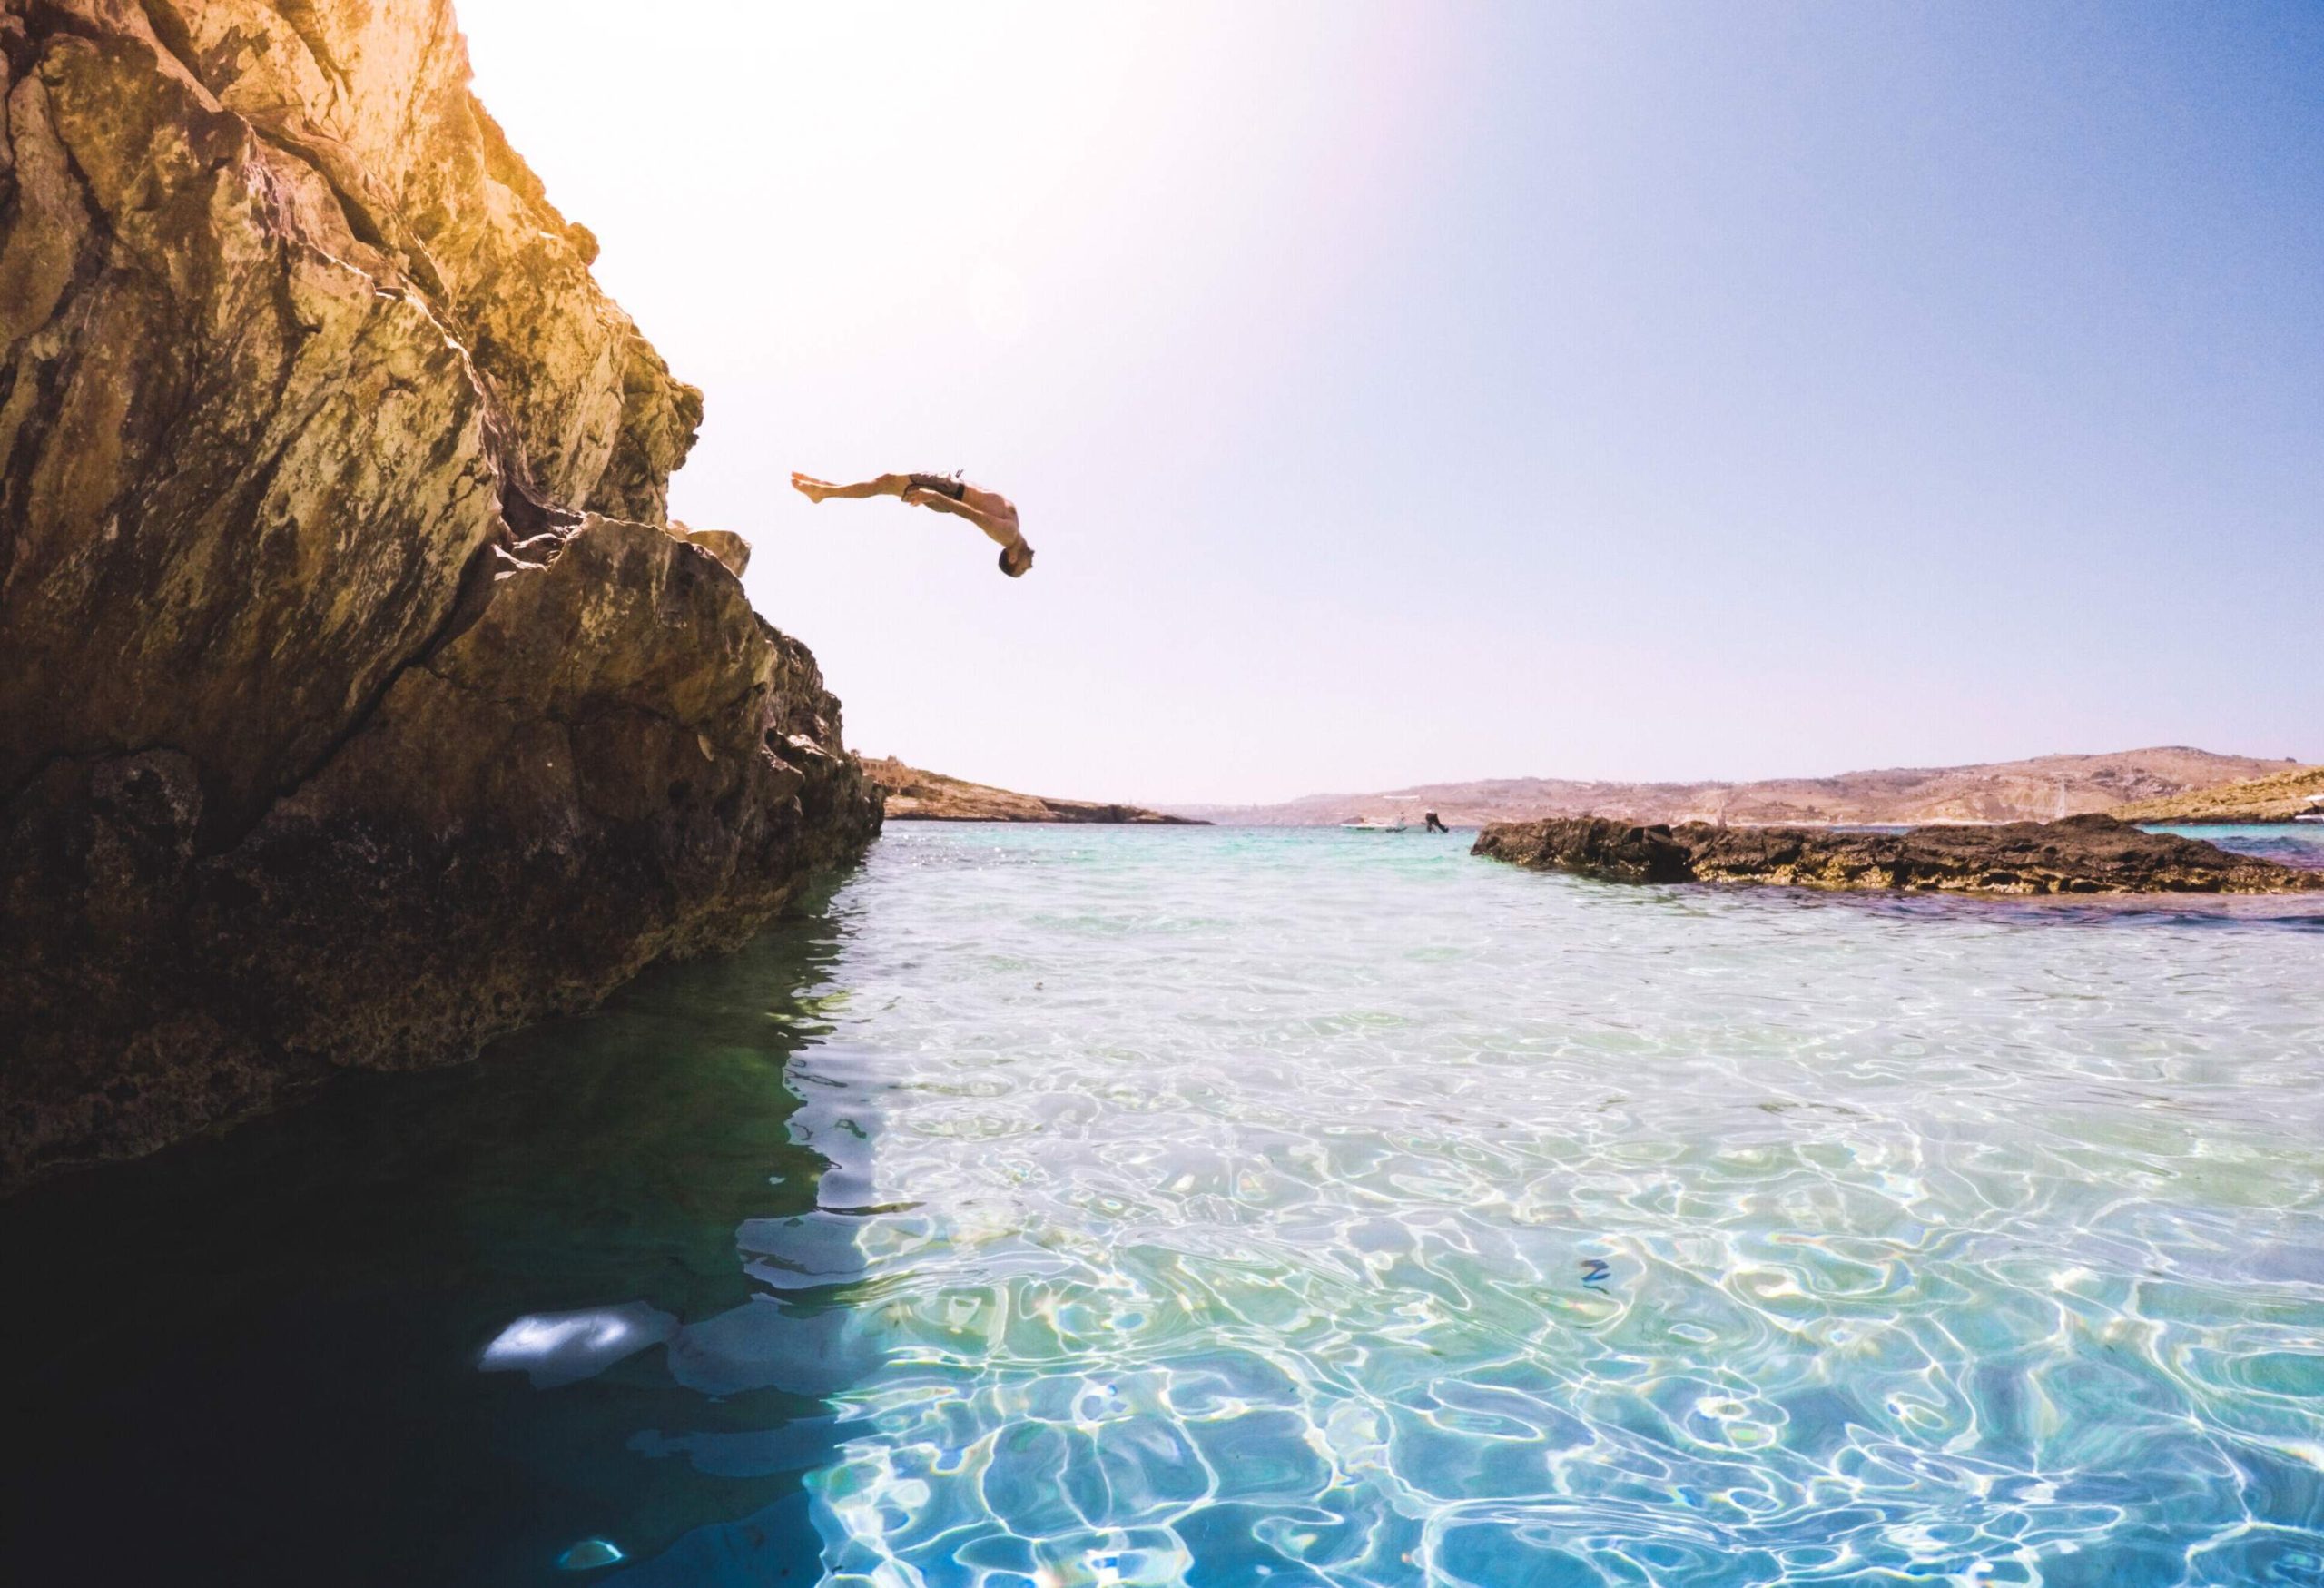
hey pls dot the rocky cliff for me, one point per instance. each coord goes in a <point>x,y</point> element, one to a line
<point>355,703</point>
<point>2081,855</point>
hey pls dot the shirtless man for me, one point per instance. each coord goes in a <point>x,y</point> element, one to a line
<point>988,510</point>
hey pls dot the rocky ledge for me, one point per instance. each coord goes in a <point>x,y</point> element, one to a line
<point>2079,854</point>
<point>913,795</point>
<point>356,701</point>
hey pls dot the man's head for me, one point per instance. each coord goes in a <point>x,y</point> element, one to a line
<point>1015,560</point>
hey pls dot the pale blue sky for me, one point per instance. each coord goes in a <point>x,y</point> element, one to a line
<point>1398,392</point>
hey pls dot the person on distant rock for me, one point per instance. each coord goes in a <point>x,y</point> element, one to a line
<point>1434,826</point>
<point>988,510</point>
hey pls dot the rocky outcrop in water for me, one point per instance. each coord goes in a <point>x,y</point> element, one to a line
<point>2081,855</point>
<point>913,795</point>
<point>355,704</point>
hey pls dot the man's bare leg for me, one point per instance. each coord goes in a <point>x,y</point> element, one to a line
<point>816,490</point>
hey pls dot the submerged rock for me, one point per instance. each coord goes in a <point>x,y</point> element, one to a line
<point>2079,854</point>
<point>589,1554</point>
<point>558,1348</point>
<point>355,703</point>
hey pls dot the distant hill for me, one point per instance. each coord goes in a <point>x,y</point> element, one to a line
<point>913,795</point>
<point>2042,789</point>
<point>2277,798</point>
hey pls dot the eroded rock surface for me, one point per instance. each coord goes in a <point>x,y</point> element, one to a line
<point>2079,854</point>
<point>355,704</point>
<point>727,547</point>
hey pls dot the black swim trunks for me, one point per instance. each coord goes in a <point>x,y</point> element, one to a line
<point>944,485</point>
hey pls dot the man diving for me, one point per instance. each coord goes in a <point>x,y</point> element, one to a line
<point>988,510</point>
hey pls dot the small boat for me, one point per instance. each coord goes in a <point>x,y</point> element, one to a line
<point>1367,824</point>
<point>2315,812</point>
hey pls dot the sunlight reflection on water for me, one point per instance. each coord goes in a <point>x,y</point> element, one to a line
<point>1219,1208</point>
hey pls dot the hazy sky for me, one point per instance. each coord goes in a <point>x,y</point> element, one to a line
<point>1398,392</point>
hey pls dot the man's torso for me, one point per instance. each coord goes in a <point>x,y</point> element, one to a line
<point>989,502</point>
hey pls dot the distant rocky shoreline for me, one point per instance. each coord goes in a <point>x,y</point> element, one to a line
<point>914,795</point>
<point>2039,790</point>
<point>2282,797</point>
<point>2087,855</point>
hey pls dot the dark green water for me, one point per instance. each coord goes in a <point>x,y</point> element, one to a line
<point>254,1359</point>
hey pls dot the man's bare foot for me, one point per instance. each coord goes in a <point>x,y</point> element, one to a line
<point>813,490</point>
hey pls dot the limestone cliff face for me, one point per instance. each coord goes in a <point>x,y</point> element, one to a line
<point>355,704</point>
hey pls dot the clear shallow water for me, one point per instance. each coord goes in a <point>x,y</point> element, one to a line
<point>1226,1207</point>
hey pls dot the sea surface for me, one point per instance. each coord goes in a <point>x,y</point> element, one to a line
<point>1108,1206</point>
<point>2300,843</point>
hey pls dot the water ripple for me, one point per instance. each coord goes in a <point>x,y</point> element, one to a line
<point>1218,1208</point>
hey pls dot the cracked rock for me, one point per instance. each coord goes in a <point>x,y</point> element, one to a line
<point>356,701</point>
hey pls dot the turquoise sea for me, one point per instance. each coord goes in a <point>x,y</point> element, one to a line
<point>1096,1206</point>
